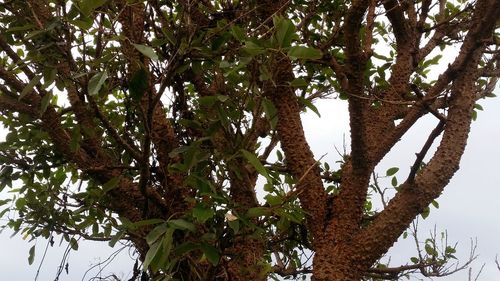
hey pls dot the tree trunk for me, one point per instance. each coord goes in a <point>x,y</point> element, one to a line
<point>331,267</point>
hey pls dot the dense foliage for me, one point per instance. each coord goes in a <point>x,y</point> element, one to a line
<point>151,122</point>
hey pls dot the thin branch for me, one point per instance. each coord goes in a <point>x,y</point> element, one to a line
<point>370,23</point>
<point>294,191</point>
<point>424,13</point>
<point>106,262</point>
<point>129,147</point>
<point>379,190</point>
<point>420,156</point>
<point>398,21</point>
<point>478,273</point>
<point>15,58</point>
<point>426,103</point>
<point>50,241</point>
<point>12,104</point>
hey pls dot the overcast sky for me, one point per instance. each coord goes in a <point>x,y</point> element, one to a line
<point>468,207</point>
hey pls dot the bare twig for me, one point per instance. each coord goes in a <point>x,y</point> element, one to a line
<point>379,190</point>
<point>420,156</point>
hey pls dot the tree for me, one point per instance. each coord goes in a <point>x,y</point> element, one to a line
<point>151,122</point>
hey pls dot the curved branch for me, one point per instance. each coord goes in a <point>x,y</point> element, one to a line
<point>299,157</point>
<point>428,185</point>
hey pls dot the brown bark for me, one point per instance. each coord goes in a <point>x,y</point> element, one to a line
<point>300,159</point>
<point>429,183</point>
<point>352,250</point>
<point>246,253</point>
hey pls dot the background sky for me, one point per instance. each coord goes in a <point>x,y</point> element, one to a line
<point>468,210</point>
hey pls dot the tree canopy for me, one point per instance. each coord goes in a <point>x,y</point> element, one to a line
<point>151,122</point>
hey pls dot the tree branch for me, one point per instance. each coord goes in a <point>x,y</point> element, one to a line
<point>299,157</point>
<point>420,156</point>
<point>428,184</point>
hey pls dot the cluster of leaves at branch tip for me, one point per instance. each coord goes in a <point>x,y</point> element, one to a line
<point>282,40</point>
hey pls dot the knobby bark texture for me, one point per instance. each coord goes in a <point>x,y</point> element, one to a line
<point>186,137</point>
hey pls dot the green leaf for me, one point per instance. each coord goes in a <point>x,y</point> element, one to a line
<point>425,212</point>
<point>271,112</point>
<point>207,101</point>
<point>5,201</point>
<point>31,256</point>
<point>219,41</point>
<point>185,248</point>
<point>222,98</point>
<point>414,260</point>
<point>154,234</point>
<point>478,107</point>
<point>255,162</point>
<point>279,155</point>
<point>450,250</point>
<point>111,184</point>
<point>30,86</point>
<point>265,74</point>
<point>273,200</point>
<point>430,250</point>
<point>258,212</point>
<point>20,203</point>
<point>225,64</point>
<point>44,103</point>
<point>238,33</point>
<point>285,30</point>
<point>299,83</point>
<point>138,84</point>
<point>75,139</point>
<point>2,213</point>
<point>83,24</point>
<point>170,36</point>
<point>252,48</point>
<point>146,222</point>
<point>211,253</point>
<point>25,27</point>
<point>166,248</point>
<point>182,224</point>
<point>269,187</point>
<point>300,52</point>
<point>96,82</point>
<point>391,171</point>
<point>234,225</point>
<point>435,204</point>
<point>202,214</point>
<point>309,105</point>
<point>153,250</point>
<point>74,244</point>
<point>394,182</point>
<point>147,51</point>
<point>116,238</point>
<point>34,34</point>
<point>88,6</point>
<point>435,60</point>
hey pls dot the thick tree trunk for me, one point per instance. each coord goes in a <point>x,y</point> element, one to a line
<point>329,266</point>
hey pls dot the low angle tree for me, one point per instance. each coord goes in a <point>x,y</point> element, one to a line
<point>175,127</point>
